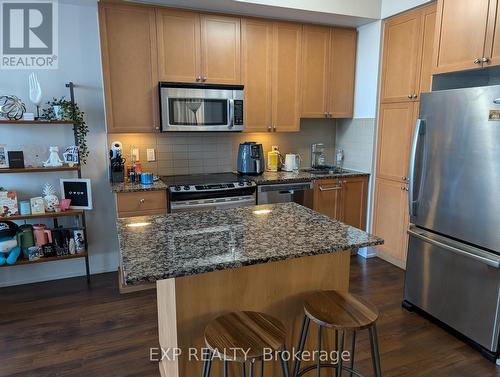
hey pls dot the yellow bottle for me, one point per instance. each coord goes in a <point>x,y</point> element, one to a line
<point>273,158</point>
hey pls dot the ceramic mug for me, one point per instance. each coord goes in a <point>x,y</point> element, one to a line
<point>42,234</point>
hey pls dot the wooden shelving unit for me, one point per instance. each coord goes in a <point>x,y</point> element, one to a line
<point>21,262</point>
<point>46,215</point>
<point>79,215</point>
<point>39,169</point>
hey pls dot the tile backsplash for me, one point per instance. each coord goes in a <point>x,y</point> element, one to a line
<point>357,138</point>
<point>213,152</point>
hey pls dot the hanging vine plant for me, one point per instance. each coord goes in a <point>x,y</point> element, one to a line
<point>73,113</point>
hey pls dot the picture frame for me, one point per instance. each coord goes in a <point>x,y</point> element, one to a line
<point>8,204</point>
<point>4,161</point>
<point>79,190</point>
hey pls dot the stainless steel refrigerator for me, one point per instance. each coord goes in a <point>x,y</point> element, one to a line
<point>452,270</point>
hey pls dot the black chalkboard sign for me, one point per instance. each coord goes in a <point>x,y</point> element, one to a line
<point>79,191</point>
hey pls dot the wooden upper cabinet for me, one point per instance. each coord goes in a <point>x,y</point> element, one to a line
<point>315,71</point>
<point>396,122</point>
<point>390,221</point>
<point>400,57</point>
<point>492,43</point>
<point>286,76</point>
<point>198,48</point>
<point>354,201</point>
<point>428,27</point>
<point>328,72</point>
<point>461,29</point>
<point>220,43</point>
<point>179,52</point>
<point>128,45</point>
<point>343,70</point>
<point>327,197</point>
<point>256,66</point>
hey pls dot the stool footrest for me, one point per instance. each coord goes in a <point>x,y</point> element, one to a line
<point>325,365</point>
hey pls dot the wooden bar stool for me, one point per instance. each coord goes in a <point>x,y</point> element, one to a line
<point>228,335</point>
<point>342,312</point>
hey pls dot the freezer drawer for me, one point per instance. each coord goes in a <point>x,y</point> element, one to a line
<point>455,283</point>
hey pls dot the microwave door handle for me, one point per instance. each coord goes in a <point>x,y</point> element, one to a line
<point>419,131</point>
<point>231,113</point>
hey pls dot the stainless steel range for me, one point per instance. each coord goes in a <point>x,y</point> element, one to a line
<point>209,191</point>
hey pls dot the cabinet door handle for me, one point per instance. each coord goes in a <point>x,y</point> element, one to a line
<point>204,78</point>
<point>415,96</point>
<point>321,188</point>
<point>269,128</point>
<point>410,96</point>
<point>142,200</point>
<point>477,61</point>
<point>274,128</point>
<point>485,60</point>
<point>326,114</point>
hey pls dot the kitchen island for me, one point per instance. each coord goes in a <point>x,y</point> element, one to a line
<point>262,258</point>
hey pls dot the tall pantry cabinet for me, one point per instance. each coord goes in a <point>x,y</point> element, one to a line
<point>405,74</point>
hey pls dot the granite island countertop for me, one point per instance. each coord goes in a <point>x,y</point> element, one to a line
<point>174,245</point>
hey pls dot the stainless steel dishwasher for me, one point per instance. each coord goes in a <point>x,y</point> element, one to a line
<point>301,193</point>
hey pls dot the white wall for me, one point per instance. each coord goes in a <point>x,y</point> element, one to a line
<point>79,61</point>
<point>392,7</point>
<point>367,68</point>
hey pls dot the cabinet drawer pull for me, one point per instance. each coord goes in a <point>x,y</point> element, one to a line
<point>142,201</point>
<point>321,188</point>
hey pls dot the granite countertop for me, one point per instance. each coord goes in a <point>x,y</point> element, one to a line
<point>269,177</point>
<point>265,178</point>
<point>174,245</point>
<point>133,187</point>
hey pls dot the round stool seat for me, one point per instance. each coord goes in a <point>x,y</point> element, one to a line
<point>231,333</point>
<point>340,310</point>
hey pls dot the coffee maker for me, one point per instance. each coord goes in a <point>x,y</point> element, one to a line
<point>117,162</point>
<point>250,158</point>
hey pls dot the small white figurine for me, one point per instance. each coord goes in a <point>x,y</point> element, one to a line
<point>54,160</point>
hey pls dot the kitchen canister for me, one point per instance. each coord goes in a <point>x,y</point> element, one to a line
<point>25,207</point>
<point>147,178</point>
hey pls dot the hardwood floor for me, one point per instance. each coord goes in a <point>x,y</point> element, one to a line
<point>61,328</point>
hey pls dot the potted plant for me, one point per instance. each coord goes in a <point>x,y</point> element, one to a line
<point>62,109</point>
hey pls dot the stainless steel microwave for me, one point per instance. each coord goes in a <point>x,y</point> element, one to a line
<point>201,107</point>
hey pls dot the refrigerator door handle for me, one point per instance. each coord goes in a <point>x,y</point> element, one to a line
<point>467,251</point>
<point>419,130</point>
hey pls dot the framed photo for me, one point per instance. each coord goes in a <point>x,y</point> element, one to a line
<point>79,191</point>
<point>4,162</point>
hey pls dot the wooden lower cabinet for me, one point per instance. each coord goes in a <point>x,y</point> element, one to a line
<point>344,199</point>
<point>391,220</point>
<point>141,203</point>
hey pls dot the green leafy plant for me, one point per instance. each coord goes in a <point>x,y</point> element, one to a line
<point>71,112</point>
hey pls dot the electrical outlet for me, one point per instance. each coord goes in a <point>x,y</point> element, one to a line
<point>151,154</point>
<point>135,154</point>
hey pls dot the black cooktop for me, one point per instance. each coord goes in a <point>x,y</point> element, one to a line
<point>202,179</point>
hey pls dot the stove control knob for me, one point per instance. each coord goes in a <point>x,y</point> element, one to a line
<point>186,188</point>
<point>177,188</point>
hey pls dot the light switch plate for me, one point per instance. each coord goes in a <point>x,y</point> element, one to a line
<point>150,154</point>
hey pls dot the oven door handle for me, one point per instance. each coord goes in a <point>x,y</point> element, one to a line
<point>231,113</point>
<point>212,203</point>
